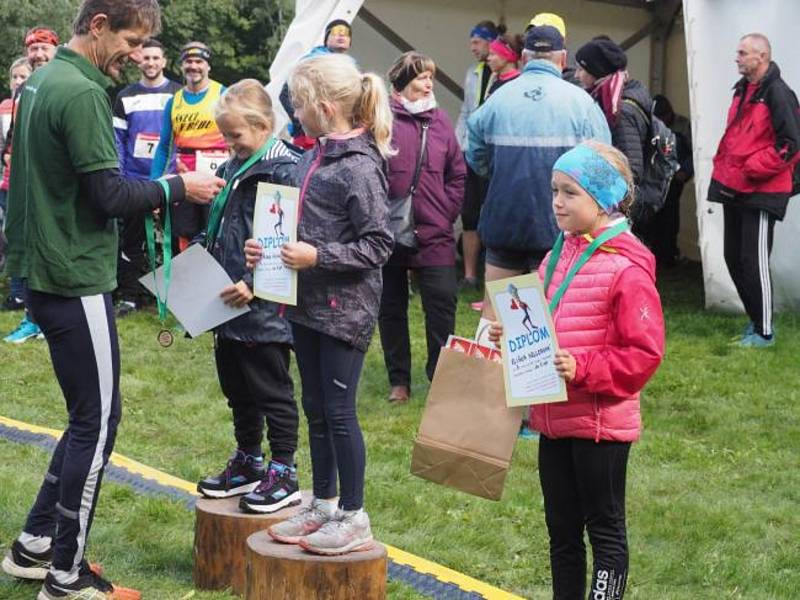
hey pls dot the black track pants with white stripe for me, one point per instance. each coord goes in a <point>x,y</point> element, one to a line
<point>748,243</point>
<point>82,337</point>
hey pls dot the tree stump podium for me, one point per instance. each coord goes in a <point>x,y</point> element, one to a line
<point>220,539</point>
<point>278,571</point>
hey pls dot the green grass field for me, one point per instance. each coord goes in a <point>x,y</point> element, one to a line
<point>713,485</point>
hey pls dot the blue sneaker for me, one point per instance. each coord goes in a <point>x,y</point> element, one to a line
<point>24,331</point>
<point>748,330</point>
<point>526,433</point>
<point>754,340</point>
<point>277,490</point>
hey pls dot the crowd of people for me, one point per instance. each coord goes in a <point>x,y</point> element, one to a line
<point>542,167</point>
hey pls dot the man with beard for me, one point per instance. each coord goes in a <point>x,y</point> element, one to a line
<point>188,129</point>
<point>138,111</point>
<point>66,192</point>
<point>40,47</point>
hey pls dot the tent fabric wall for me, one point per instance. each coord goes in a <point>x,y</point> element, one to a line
<point>713,29</point>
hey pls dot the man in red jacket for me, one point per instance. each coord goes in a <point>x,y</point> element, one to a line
<point>752,178</point>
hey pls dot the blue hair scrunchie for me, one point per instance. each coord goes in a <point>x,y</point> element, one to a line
<point>601,180</point>
<point>484,33</point>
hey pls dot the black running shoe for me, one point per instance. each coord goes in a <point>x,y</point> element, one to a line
<point>278,490</point>
<point>13,303</point>
<point>241,475</point>
<point>88,586</point>
<point>125,308</point>
<point>21,562</point>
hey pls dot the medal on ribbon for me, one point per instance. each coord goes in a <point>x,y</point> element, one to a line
<point>165,337</point>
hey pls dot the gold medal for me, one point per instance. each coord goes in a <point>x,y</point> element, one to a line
<point>165,338</point>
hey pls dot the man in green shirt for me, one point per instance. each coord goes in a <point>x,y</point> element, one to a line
<point>66,192</point>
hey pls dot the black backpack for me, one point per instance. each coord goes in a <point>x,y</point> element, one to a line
<point>660,165</point>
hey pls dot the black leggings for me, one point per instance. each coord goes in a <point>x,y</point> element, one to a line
<point>329,372</point>
<point>583,483</point>
<point>82,338</point>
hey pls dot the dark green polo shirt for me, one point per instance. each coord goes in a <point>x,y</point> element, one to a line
<point>63,129</point>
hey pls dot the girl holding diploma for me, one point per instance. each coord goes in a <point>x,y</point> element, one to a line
<point>252,350</point>
<point>608,319</point>
<point>344,241</point>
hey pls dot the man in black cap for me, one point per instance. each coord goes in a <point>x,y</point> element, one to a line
<point>337,40</point>
<point>188,130</point>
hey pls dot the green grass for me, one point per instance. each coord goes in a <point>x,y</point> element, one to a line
<point>713,486</point>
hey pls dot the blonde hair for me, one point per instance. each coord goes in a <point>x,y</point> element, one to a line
<point>22,61</point>
<point>249,100</point>
<point>361,98</point>
<point>620,162</point>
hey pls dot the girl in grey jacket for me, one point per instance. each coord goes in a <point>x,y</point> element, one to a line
<point>344,240</point>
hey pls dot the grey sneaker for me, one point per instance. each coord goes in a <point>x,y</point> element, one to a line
<point>348,531</point>
<point>308,520</point>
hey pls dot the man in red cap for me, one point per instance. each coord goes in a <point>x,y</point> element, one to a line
<point>40,47</point>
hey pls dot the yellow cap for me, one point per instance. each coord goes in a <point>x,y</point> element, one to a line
<point>551,19</point>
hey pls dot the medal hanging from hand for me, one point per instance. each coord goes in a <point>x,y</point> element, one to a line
<point>165,337</point>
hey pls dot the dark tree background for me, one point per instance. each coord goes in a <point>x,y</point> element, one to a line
<point>244,35</point>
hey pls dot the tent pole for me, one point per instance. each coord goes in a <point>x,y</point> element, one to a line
<point>391,36</point>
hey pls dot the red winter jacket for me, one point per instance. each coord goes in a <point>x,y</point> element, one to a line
<point>610,319</point>
<point>757,154</point>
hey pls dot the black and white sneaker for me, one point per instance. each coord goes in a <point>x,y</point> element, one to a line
<point>88,586</point>
<point>21,562</point>
<point>241,475</point>
<point>278,490</point>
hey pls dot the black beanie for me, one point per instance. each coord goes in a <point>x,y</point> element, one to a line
<point>333,24</point>
<point>601,57</point>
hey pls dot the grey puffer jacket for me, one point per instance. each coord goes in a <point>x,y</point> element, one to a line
<point>343,213</point>
<point>631,130</point>
<point>264,323</point>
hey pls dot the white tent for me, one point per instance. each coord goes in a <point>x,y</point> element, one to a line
<point>689,60</point>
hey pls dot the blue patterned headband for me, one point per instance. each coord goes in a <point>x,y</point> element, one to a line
<point>595,174</point>
<point>483,32</point>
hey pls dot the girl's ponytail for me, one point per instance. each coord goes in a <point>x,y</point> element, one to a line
<point>373,112</point>
<point>362,97</point>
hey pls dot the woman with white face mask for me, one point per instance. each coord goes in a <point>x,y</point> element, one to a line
<point>436,202</point>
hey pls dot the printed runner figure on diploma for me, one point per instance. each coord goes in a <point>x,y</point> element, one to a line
<point>529,343</point>
<point>275,224</point>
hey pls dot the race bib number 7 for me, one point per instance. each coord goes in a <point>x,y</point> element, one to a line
<point>145,146</point>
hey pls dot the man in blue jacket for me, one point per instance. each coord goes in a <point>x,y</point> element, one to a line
<point>513,140</point>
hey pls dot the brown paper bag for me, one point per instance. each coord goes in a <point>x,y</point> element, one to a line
<point>467,433</point>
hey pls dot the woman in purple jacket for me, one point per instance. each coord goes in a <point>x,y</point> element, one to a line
<point>437,204</point>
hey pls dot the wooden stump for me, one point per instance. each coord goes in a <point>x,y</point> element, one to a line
<point>220,539</point>
<point>278,571</point>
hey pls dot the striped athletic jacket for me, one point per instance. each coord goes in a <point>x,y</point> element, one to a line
<point>514,140</point>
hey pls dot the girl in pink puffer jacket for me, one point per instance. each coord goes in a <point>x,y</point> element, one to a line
<point>611,333</point>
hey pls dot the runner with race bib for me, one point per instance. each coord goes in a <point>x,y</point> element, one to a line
<point>138,111</point>
<point>189,133</point>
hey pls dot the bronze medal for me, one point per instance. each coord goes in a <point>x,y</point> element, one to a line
<point>165,338</point>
